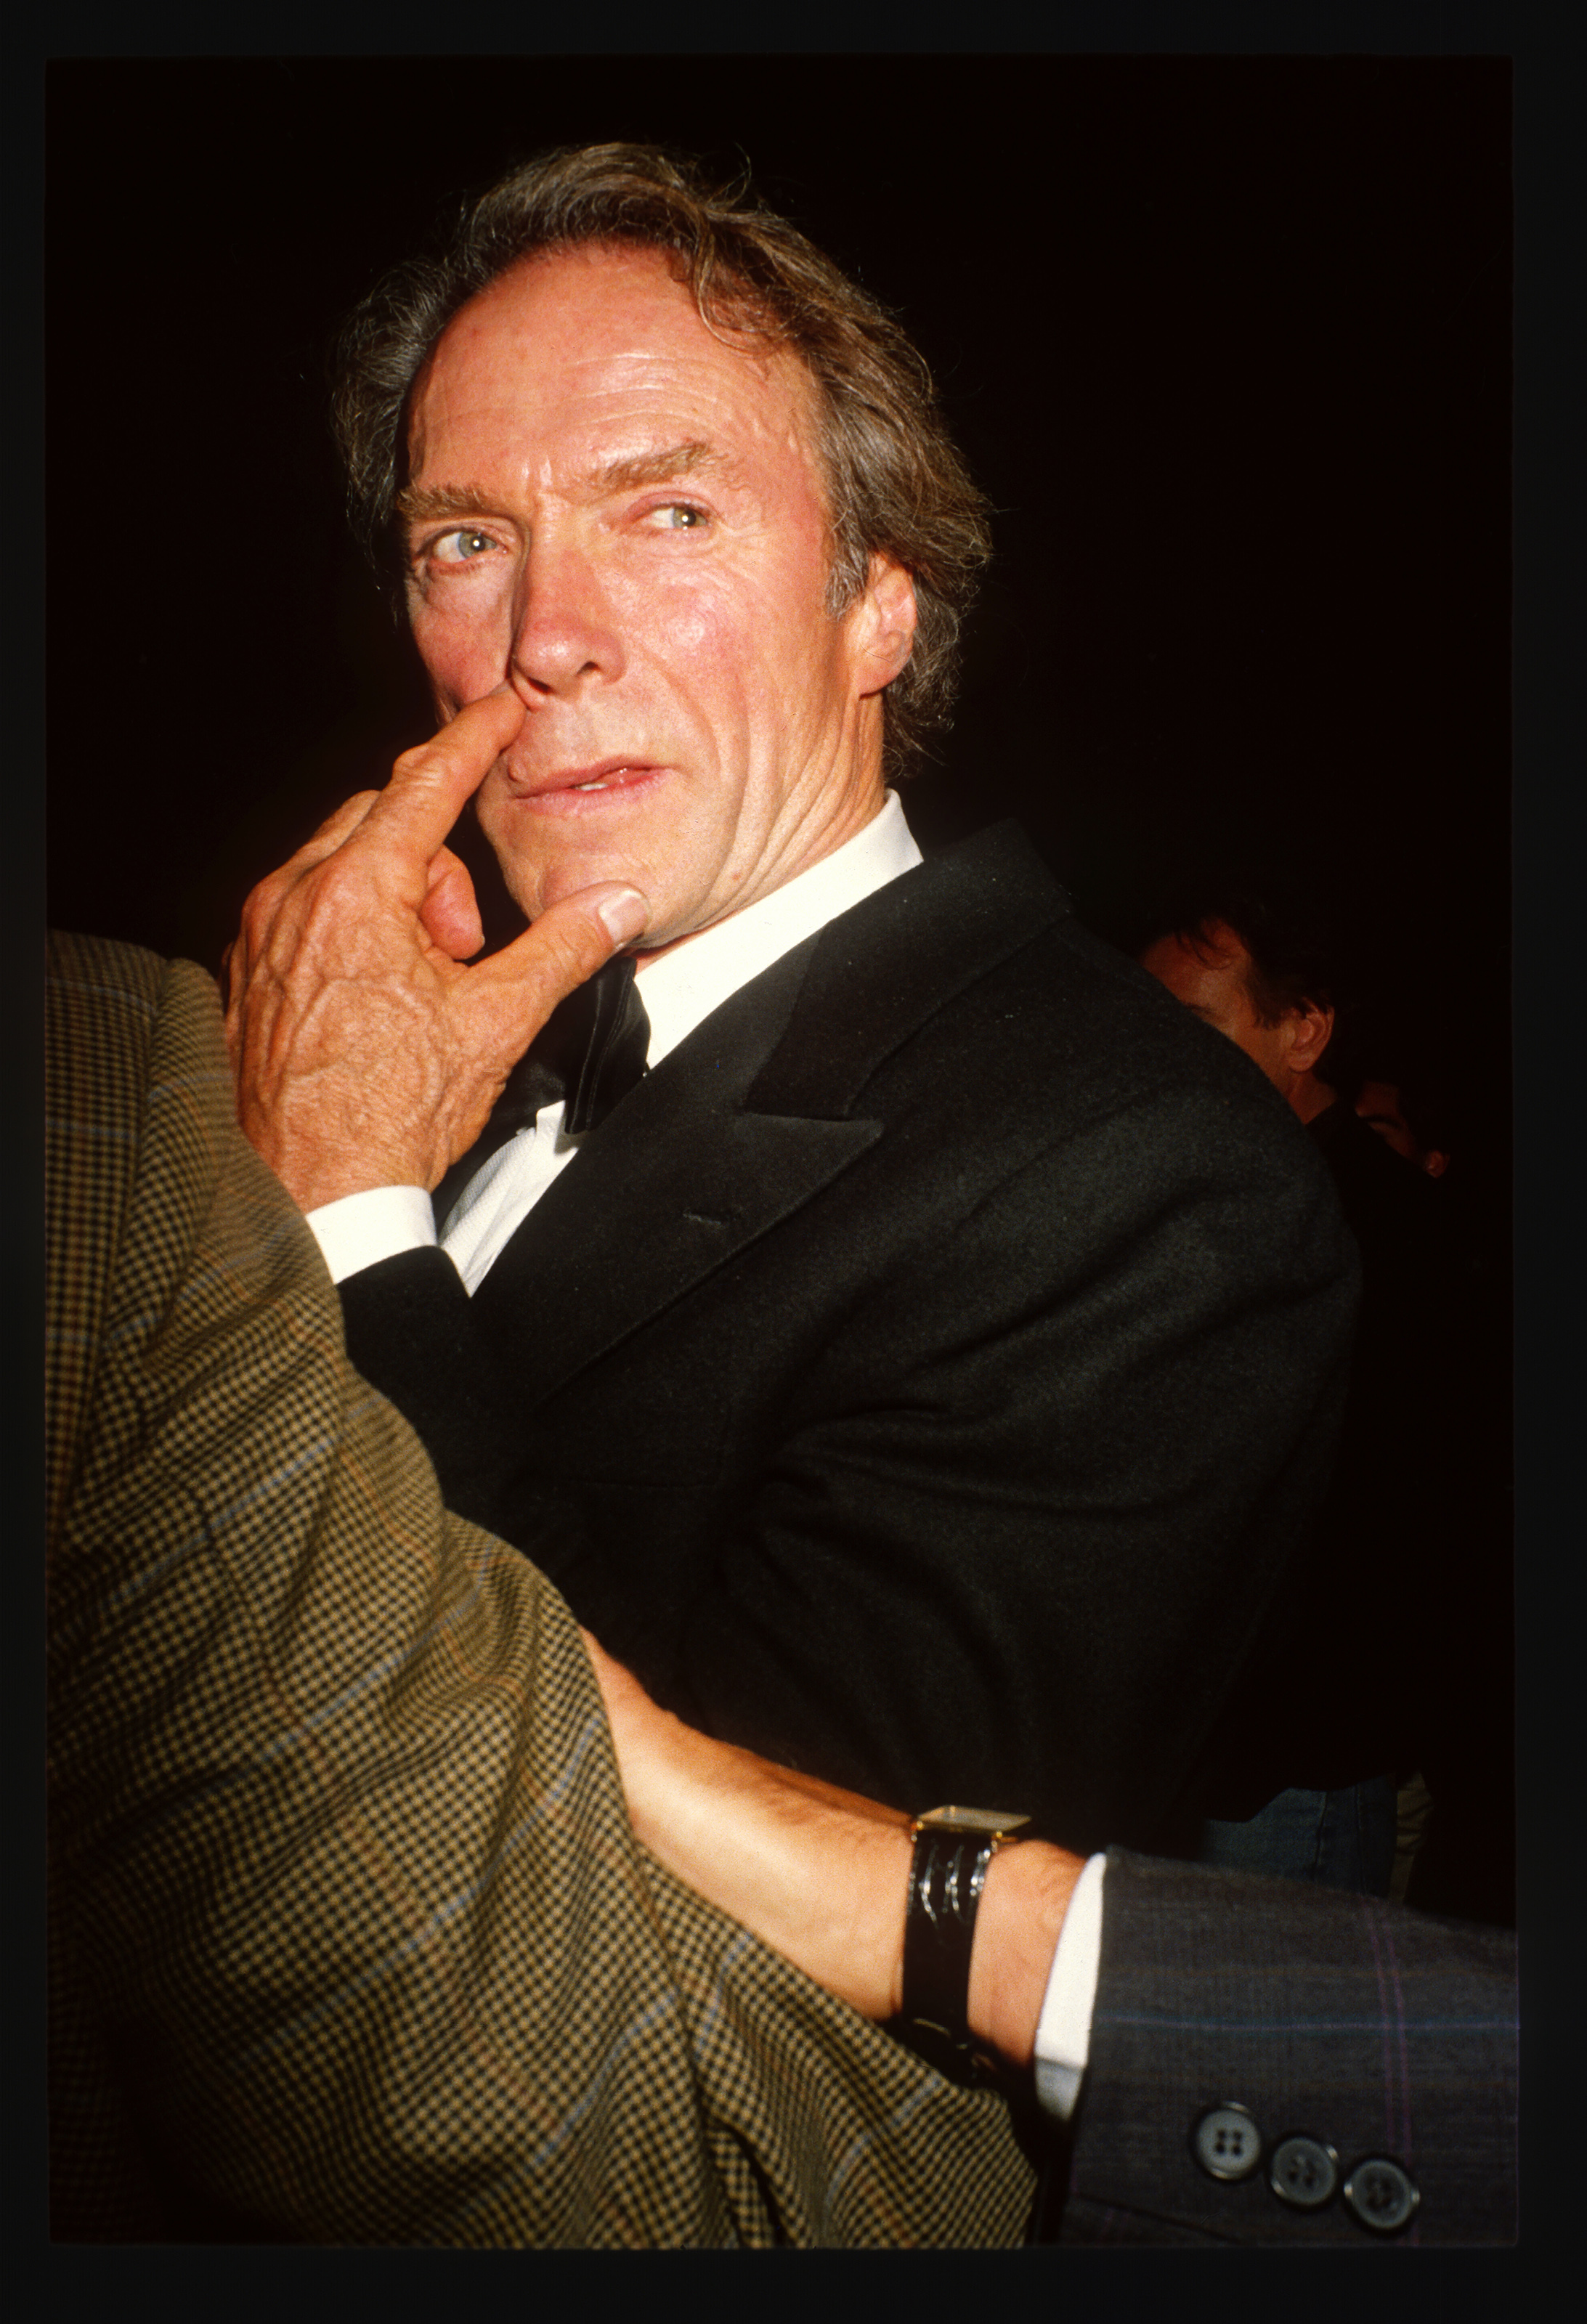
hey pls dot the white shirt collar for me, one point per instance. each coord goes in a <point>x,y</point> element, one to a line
<point>681,988</point>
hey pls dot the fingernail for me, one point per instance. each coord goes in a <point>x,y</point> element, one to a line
<point>625,915</point>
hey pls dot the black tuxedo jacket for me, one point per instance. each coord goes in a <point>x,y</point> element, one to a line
<point>350,1940</point>
<point>926,1375</point>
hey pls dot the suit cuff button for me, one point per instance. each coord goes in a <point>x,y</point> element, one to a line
<point>1381,2195</point>
<point>1226,2141</point>
<point>1303,2172</point>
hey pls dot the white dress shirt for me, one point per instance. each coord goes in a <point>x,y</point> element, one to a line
<point>680,989</point>
<point>1063,2034</point>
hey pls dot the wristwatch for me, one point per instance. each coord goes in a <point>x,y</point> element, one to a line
<point>953,1847</point>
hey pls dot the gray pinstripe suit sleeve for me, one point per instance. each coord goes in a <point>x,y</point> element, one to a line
<point>1378,2031</point>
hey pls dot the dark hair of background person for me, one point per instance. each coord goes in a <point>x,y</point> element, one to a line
<point>895,480</point>
<point>1301,948</point>
<point>1296,954</point>
<point>1307,939</point>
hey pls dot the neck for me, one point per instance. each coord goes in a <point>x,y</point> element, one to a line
<point>857,815</point>
<point>1309,1097</point>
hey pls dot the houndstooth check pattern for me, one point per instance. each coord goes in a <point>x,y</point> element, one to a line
<point>351,1940</point>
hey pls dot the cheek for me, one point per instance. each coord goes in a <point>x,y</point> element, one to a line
<point>464,652</point>
<point>699,645</point>
<point>697,628</point>
<point>753,647</point>
<point>1270,1053</point>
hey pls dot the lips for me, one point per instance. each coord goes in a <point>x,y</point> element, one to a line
<point>608,775</point>
<point>576,790</point>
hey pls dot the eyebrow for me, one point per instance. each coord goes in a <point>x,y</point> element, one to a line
<point>643,469</point>
<point>418,504</point>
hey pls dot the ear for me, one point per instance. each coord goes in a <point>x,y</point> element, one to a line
<point>882,624</point>
<point>1308,1030</point>
<point>1434,1163</point>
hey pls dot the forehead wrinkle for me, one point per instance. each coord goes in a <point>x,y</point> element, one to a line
<point>799,430</point>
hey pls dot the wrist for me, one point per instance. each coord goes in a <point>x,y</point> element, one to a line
<point>319,1172</point>
<point>1023,1904</point>
<point>814,1879</point>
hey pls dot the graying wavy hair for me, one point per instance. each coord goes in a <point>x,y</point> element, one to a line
<point>895,480</point>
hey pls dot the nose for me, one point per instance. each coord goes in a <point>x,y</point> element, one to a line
<point>563,634</point>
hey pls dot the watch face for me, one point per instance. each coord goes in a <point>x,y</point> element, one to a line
<point>973,1820</point>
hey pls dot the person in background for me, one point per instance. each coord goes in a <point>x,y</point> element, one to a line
<point>1391,1645</point>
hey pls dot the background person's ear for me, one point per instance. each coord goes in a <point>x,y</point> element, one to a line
<point>884,618</point>
<point>1309,1030</point>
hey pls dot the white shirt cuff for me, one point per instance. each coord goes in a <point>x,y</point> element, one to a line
<point>362,1229</point>
<point>1063,2035</point>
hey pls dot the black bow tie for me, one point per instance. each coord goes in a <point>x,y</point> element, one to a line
<point>590,1051</point>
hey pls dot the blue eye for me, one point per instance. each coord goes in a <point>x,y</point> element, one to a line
<point>678,516</point>
<point>461,546</point>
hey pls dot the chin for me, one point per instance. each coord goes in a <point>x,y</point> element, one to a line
<point>535,892</point>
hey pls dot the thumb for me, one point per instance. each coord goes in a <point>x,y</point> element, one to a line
<point>524,983</point>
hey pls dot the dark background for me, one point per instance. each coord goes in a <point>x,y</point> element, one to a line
<point>1226,341</point>
<point>1313,305</point>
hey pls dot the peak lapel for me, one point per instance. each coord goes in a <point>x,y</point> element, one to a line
<point>679,1177</point>
<point>751,1116</point>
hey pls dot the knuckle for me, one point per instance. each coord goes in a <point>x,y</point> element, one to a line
<point>570,957</point>
<point>567,945</point>
<point>344,886</point>
<point>334,832</point>
<point>259,908</point>
<point>425,759</point>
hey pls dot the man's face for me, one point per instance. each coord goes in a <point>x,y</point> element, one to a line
<point>624,518</point>
<point>1210,977</point>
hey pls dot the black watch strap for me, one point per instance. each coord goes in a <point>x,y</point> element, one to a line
<point>948,1872</point>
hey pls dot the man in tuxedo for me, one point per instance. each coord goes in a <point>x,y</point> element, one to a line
<point>912,1345</point>
<point>350,1937</point>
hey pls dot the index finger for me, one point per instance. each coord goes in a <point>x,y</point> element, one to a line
<point>430,784</point>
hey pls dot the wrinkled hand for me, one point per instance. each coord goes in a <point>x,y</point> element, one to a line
<point>366,1053</point>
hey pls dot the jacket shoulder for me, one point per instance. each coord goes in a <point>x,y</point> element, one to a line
<point>1068,1022</point>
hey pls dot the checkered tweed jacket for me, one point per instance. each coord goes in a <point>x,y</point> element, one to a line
<point>350,1938</point>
